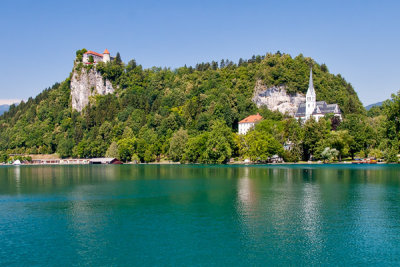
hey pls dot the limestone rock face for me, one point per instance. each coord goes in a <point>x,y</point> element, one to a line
<point>87,83</point>
<point>276,98</point>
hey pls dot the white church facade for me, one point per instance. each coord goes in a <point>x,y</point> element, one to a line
<point>314,108</point>
<point>97,57</point>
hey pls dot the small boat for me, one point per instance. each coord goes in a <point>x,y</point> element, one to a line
<point>365,161</point>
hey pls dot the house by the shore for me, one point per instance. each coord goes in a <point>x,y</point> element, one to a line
<point>248,123</point>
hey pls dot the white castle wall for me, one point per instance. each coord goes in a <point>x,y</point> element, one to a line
<point>106,58</point>
<point>96,59</point>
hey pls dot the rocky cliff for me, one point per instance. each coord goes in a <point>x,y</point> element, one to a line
<point>86,83</point>
<point>276,98</point>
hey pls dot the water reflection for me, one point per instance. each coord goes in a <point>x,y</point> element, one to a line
<point>311,221</point>
<point>279,203</point>
<point>17,173</point>
<point>246,194</point>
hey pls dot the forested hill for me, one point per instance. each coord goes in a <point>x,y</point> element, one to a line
<point>150,105</point>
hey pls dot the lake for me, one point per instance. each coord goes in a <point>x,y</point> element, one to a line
<point>146,215</point>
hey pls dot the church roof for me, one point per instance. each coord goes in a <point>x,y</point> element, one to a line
<point>106,51</point>
<point>252,118</point>
<point>321,108</point>
<point>301,110</point>
<point>332,108</point>
<point>94,53</point>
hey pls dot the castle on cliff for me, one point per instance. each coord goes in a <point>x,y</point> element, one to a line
<point>313,108</point>
<point>87,82</point>
<point>97,57</point>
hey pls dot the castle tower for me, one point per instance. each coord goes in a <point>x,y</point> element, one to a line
<point>106,56</point>
<point>310,98</point>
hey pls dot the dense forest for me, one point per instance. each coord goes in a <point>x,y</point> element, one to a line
<point>191,114</point>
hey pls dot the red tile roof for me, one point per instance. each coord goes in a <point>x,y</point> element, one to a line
<point>94,53</point>
<point>106,51</point>
<point>252,118</point>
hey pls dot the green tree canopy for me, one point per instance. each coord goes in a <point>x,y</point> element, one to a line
<point>219,143</point>
<point>177,145</point>
<point>261,146</point>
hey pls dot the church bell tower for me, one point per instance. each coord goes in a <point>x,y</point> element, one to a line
<point>310,98</point>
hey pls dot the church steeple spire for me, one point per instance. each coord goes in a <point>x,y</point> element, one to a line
<point>310,97</point>
<point>311,84</point>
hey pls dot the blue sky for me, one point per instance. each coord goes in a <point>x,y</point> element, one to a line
<point>358,39</point>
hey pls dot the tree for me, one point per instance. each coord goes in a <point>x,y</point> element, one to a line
<point>3,157</point>
<point>113,151</point>
<point>341,141</point>
<point>272,127</point>
<point>375,111</point>
<point>105,131</point>
<point>128,133</point>
<point>335,122</point>
<point>222,64</point>
<point>314,132</point>
<point>131,65</point>
<point>329,154</point>
<point>359,130</point>
<point>64,148</point>
<point>148,156</point>
<point>79,54</point>
<point>214,65</point>
<point>324,68</point>
<point>391,155</point>
<point>91,59</point>
<point>118,60</point>
<point>177,145</point>
<point>392,112</point>
<point>293,136</point>
<point>195,147</point>
<point>218,146</point>
<point>261,146</point>
<point>375,153</point>
<point>126,148</point>
<point>81,150</point>
<point>148,145</point>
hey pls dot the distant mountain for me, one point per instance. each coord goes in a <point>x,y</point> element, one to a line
<point>377,104</point>
<point>4,108</point>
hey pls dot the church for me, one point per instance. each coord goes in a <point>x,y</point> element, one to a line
<point>313,108</point>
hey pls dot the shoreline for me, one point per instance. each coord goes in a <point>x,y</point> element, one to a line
<point>227,164</point>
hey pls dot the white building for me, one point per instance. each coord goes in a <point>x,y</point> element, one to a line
<point>248,123</point>
<point>105,57</point>
<point>314,108</point>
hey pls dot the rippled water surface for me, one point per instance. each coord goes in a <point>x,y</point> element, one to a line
<point>200,215</point>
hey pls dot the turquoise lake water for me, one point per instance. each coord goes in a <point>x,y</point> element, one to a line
<point>190,215</point>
